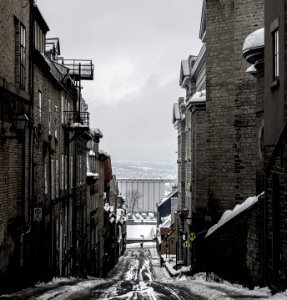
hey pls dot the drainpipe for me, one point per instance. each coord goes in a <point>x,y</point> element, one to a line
<point>263,217</point>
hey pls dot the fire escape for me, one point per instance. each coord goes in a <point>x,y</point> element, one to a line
<point>79,69</point>
<point>77,120</point>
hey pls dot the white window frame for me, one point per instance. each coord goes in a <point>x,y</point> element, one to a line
<point>71,171</point>
<point>62,171</point>
<point>22,55</point>
<point>40,105</point>
<point>57,178</point>
<point>46,179</point>
<point>56,121</point>
<point>62,108</point>
<point>53,179</point>
<point>50,117</point>
<point>275,53</point>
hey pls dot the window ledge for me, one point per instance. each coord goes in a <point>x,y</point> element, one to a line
<point>275,83</point>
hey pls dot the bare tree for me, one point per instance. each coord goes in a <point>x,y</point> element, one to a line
<point>133,197</point>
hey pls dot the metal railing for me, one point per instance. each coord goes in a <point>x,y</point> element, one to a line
<point>77,117</point>
<point>79,69</point>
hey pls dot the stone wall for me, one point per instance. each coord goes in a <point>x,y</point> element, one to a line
<point>233,249</point>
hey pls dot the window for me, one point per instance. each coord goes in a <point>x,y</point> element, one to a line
<point>40,105</point>
<point>275,54</point>
<point>22,55</point>
<point>50,117</point>
<point>53,179</point>
<point>66,169</point>
<point>71,171</point>
<point>62,171</point>
<point>57,178</point>
<point>62,107</point>
<point>39,38</point>
<point>56,121</point>
<point>46,179</point>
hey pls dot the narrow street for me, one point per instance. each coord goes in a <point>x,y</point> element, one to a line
<point>137,275</point>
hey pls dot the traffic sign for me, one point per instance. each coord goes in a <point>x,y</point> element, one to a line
<point>37,214</point>
<point>192,236</point>
<point>186,244</point>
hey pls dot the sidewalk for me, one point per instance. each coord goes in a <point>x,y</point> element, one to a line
<point>171,264</point>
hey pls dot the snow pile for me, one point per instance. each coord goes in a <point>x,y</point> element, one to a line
<point>77,125</point>
<point>92,153</point>
<point>198,97</point>
<point>91,174</point>
<point>230,214</point>
<point>141,232</point>
<point>166,222</point>
<point>254,40</point>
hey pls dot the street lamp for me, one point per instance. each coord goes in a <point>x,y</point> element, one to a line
<point>171,239</point>
<point>184,213</point>
<point>19,124</point>
<point>184,216</point>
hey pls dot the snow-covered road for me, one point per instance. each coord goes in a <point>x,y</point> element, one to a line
<point>138,275</point>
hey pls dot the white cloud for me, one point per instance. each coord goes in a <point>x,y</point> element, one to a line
<point>136,47</point>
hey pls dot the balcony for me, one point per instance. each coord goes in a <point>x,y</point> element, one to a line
<point>75,119</point>
<point>79,69</point>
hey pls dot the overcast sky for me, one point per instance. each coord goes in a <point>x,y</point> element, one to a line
<point>136,47</point>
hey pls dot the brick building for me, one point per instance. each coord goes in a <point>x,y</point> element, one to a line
<point>15,94</point>
<point>275,226</point>
<point>223,121</point>
<point>231,105</point>
<point>49,191</point>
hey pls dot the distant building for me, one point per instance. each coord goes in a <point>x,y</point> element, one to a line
<point>143,195</point>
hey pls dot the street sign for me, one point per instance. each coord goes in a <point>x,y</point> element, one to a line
<point>186,244</point>
<point>37,214</point>
<point>192,236</point>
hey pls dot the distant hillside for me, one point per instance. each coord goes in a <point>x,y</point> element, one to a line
<point>144,169</point>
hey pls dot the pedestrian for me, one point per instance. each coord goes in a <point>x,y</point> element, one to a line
<point>161,261</point>
<point>141,244</point>
<point>106,265</point>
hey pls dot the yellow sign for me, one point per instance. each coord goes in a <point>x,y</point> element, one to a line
<point>186,244</point>
<point>192,236</point>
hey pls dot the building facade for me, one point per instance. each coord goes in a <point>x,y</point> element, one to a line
<point>54,180</point>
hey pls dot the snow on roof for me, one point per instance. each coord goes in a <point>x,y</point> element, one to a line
<point>198,97</point>
<point>171,194</point>
<point>254,40</point>
<point>91,174</point>
<point>92,153</point>
<point>251,69</point>
<point>97,131</point>
<point>230,214</point>
<point>121,216</point>
<point>166,222</point>
<point>104,153</point>
<point>77,125</point>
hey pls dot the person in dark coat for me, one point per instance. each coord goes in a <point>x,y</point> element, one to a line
<point>161,261</point>
<point>106,265</point>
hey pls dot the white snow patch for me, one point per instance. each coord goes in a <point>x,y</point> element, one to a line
<point>144,232</point>
<point>254,40</point>
<point>198,97</point>
<point>229,214</point>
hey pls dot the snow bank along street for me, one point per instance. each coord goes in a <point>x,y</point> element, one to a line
<point>138,275</point>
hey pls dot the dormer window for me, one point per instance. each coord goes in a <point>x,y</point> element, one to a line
<point>39,38</point>
<point>275,53</point>
<point>274,31</point>
<point>20,53</point>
